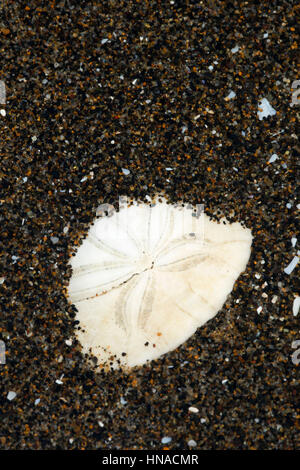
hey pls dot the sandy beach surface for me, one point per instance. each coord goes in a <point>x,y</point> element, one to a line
<point>196,100</point>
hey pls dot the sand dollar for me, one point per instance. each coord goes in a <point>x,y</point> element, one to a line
<point>146,277</point>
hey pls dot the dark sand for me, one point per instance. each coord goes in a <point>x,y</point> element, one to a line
<point>81,107</point>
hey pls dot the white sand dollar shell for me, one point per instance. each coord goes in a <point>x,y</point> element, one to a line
<point>147,277</point>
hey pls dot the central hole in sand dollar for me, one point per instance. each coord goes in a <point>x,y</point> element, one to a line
<point>145,262</point>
